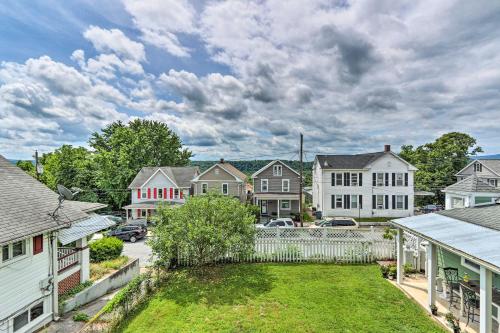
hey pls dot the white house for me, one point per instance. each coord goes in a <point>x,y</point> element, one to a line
<point>487,170</point>
<point>34,270</point>
<point>470,192</point>
<point>364,185</point>
<point>153,186</point>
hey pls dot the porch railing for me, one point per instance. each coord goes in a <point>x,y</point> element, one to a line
<point>67,257</point>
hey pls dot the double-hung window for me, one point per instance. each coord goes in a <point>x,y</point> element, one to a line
<point>176,193</point>
<point>400,199</point>
<point>13,250</point>
<point>338,201</point>
<point>204,188</point>
<point>285,204</point>
<point>277,170</point>
<point>160,193</point>
<point>380,202</point>
<point>143,194</point>
<point>264,185</point>
<point>285,185</point>
<point>338,179</point>
<point>354,201</point>
<point>400,179</point>
<point>380,179</point>
<point>478,167</point>
<point>354,179</point>
<point>225,189</point>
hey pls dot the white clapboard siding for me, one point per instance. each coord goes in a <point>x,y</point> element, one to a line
<point>315,244</point>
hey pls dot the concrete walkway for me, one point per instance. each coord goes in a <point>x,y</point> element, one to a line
<point>67,325</point>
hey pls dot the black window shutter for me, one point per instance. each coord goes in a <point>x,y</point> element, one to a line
<point>333,178</point>
<point>406,179</point>
<point>386,202</point>
<point>360,202</point>
<point>393,179</point>
<point>393,201</point>
<point>360,180</point>
<point>347,201</point>
<point>333,201</point>
<point>406,202</point>
<point>386,179</point>
<point>374,176</point>
<point>347,179</point>
<point>374,201</point>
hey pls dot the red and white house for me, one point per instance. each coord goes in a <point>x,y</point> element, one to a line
<point>153,186</point>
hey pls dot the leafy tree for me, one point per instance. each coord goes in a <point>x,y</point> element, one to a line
<point>204,229</point>
<point>439,161</point>
<point>72,167</point>
<point>27,166</point>
<point>121,150</point>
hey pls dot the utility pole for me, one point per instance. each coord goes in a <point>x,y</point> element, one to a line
<point>36,165</point>
<point>301,180</point>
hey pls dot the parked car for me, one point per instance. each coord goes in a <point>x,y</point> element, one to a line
<point>140,222</point>
<point>129,233</point>
<point>285,222</point>
<point>430,209</point>
<point>117,219</point>
<point>334,223</point>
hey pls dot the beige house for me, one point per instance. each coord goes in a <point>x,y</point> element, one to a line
<point>222,178</point>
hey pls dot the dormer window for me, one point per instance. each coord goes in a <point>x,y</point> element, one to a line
<point>478,167</point>
<point>277,171</point>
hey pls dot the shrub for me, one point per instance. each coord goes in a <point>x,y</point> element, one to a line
<point>106,248</point>
<point>408,269</point>
<point>80,316</point>
<point>393,271</point>
<point>384,269</point>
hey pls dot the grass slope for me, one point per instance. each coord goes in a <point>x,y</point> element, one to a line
<point>281,298</point>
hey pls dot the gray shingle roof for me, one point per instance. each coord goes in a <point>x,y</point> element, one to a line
<point>26,203</point>
<point>493,165</point>
<point>472,184</point>
<point>182,176</point>
<point>486,216</point>
<point>358,161</point>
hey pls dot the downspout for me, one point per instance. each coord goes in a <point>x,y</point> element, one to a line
<point>55,285</point>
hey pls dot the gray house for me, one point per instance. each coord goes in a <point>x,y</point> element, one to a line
<point>222,178</point>
<point>276,190</point>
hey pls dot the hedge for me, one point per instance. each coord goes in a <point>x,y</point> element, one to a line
<point>106,248</point>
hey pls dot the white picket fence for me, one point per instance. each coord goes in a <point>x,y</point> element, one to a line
<point>317,244</point>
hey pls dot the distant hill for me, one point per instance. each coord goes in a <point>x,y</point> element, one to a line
<point>487,157</point>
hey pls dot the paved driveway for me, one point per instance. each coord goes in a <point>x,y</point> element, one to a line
<point>139,250</point>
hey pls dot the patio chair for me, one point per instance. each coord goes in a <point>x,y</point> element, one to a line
<point>452,283</point>
<point>470,303</point>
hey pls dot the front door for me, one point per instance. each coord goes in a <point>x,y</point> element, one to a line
<point>263,207</point>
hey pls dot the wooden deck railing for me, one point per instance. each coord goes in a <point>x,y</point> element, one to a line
<point>67,257</point>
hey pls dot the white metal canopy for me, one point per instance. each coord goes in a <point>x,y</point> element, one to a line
<point>469,240</point>
<point>84,228</point>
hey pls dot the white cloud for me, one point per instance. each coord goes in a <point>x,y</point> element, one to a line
<point>114,40</point>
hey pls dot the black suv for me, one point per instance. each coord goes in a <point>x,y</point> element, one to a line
<point>128,232</point>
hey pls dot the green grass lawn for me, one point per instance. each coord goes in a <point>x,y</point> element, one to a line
<point>281,298</point>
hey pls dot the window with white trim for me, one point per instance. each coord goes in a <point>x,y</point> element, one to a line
<point>338,201</point>
<point>338,179</point>
<point>354,179</point>
<point>400,179</point>
<point>160,193</point>
<point>285,204</point>
<point>264,185</point>
<point>470,264</point>
<point>380,179</point>
<point>204,188</point>
<point>225,188</point>
<point>28,316</point>
<point>176,193</point>
<point>380,201</point>
<point>478,167</point>
<point>493,182</point>
<point>144,194</point>
<point>144,212</point>
<point>13,250</point>
<point>277,170</point>
<point>354,201</point>
<point>400,201</point>
<point>285,185</point>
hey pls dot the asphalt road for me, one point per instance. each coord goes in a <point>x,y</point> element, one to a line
<point>139,250</point>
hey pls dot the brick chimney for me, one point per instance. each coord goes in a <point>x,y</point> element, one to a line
<point>221,161</point>
<point>387,148</point>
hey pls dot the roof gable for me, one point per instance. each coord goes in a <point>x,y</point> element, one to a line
<point>472,184</point>
<point>228,168</point>
<point>179,176</point>
<point>493,165</point>
<point>271,164</point>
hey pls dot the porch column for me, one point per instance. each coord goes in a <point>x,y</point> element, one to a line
<point>278,209</point>
<point>485,293</point>
<point>126,214</point>
<point>400,254</point>
<point>432,272</point>
<point>84,259</point>
<point>55,280</point>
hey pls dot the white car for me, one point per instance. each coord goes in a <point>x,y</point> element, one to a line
<point>285,222</point>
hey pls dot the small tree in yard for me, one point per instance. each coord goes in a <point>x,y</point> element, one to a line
<point>203,230</point>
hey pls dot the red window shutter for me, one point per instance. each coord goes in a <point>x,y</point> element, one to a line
<point>164,193</point>
<point>38,244</point>
<point>149,193</point>
<point>138,193</point>
<point>171,193</point>
<point>155,193</point>
<point>180,191</point>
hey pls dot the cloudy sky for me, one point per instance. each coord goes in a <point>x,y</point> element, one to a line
<point>241,79</point>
